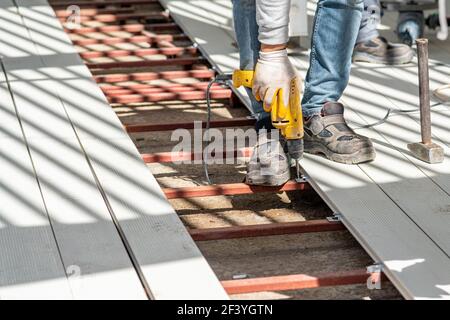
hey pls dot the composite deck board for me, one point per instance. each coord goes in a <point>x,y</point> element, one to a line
<point>397,207</point>
<point>85,233</point>
<point>422,202</point>
<point>30,264</point>
<point>424,197</point>
<point>167,260</point>
<point>31,267</point>
<point>91,250</point>
<point>400,86</point>
<point>402,129</point>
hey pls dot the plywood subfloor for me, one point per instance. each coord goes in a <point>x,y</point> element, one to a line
<point>397,207</point>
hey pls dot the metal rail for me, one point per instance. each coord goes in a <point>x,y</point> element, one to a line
<point>236,122</point>
<point>263,230</point>
<point>163,157</point>
<point>298,281</point>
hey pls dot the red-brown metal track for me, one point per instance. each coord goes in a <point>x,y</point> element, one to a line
<point>63,4</point>
<point>164,52</point>
<point>299,281</point>
<point>236,122</point>
<point>229,189</point>
<point>162,157</point>
<point>148,76</point>
<point>261,230</point>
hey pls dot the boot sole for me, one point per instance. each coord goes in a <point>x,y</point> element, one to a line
<point>269,181</point>
<point>365,57</point>
<point>360,156</point>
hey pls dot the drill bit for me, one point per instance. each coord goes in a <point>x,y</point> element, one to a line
<point>295,150</point>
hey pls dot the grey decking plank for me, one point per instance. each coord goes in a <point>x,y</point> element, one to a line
<point>416,266</point>
<point>420,189</point>
<point>374,89</point>
<point>406,98</point>
<point>83,228</point>
<point>167,259</point>
<point>89,244</point>
<point>413,262</point>
<point>30,263</point>
<point>394,185</point>
<point>400,86</point>
<point>418,194</point>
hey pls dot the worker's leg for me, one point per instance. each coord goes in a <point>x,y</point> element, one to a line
<point>335,30</point>
<point>276,170</point>
<point>371,47</point>
<point>334,34</point>
<point>410,26</point>
<point>370,19</point>
<point>246,29</point>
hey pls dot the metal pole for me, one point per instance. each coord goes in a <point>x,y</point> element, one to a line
<point>424,90</point>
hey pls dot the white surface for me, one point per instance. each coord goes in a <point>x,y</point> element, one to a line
<point>30,263</point>
<point>298,19</point>
<point>92,253</point>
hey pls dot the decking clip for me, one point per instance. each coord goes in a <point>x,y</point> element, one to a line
<point>374,280</point>
<point>336,217</point>
<point>302,179</point>
<point>375,268</point>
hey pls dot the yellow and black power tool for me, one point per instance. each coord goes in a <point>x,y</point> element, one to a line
<point>288,118</point>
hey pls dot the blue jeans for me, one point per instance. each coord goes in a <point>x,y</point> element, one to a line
<point>336,26</point>
<point>370,20</point>
<point>409,22</point>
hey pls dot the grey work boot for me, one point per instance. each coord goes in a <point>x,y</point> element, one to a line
<point>328,134</point>
<point>379,50</point>
<point>268,165</point>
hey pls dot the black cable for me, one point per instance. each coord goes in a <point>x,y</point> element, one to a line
<point>391,112</point>
<point>223,79</point>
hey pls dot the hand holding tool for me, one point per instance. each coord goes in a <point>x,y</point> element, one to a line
<point>276,82</point>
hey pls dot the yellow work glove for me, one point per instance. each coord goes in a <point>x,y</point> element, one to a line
<point>274,72</point>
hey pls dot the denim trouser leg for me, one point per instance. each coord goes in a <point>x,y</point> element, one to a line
<point>370,20</point>
<point>246,28</point>
<point>336,27</point>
